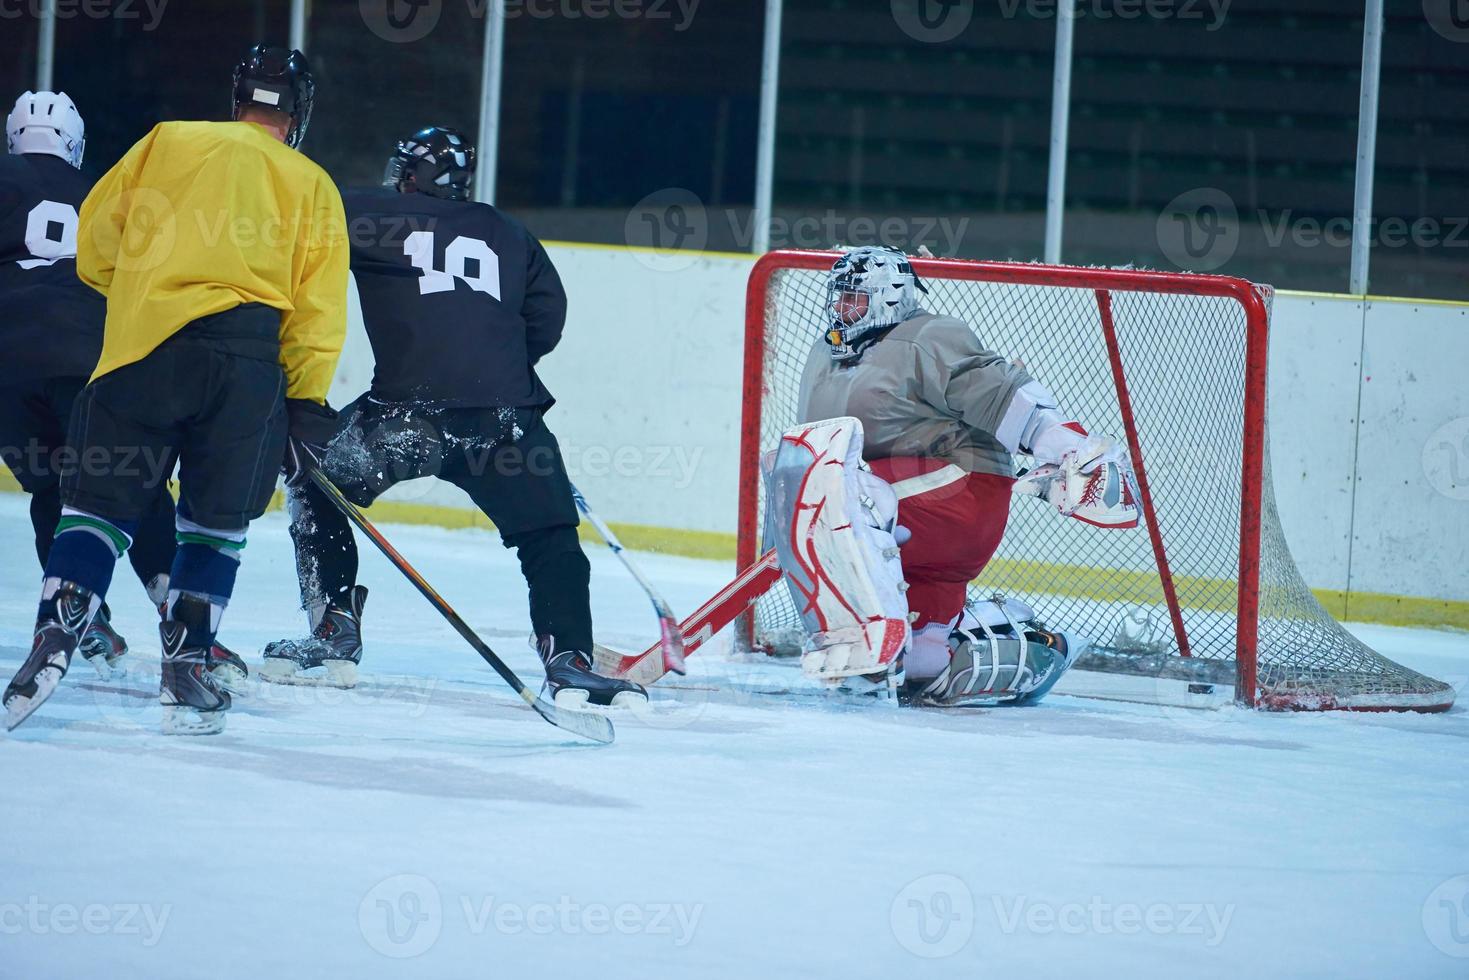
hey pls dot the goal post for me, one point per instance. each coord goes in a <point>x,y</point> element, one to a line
<point>1205,591</point>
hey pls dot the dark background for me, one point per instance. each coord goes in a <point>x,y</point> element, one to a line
<point>600,113</point>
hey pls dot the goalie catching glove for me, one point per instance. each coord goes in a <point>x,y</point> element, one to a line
<point>1092,484</point>
<point>1083,476</point>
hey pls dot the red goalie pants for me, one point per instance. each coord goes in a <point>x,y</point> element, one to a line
<point>956,519</point>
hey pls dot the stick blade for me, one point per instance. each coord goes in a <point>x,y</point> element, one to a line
<point>587,724</point>
<point>641,668</point>
<point>673,648</point>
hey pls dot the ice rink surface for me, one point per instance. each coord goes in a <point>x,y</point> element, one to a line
<point>427,824</point>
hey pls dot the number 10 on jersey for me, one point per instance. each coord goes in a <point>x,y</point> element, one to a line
<point>463,255</point>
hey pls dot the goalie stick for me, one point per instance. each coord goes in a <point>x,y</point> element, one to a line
<point>670,638</point>
<point>721,610</point>
<point>588,725</point>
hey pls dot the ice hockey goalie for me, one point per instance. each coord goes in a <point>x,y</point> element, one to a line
<point>893,494</point>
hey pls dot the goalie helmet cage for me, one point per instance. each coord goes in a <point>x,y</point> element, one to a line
<point>1206,590</point>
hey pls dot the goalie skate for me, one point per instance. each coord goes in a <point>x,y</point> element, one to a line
<point>999,655</point>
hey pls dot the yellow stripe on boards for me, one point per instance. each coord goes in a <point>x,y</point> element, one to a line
<point>1215,595</point>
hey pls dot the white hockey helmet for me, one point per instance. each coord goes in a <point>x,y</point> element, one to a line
<point>46,122</point>
<point>869,289</point>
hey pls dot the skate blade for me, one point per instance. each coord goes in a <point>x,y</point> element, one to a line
<point>180,719</point>
<point>576,699</point>
<point>19,708</point>
<point>864,688</point>
<point>231,678</point>
<point>106,667</point>
<point>332,673</point>
<point>962,701</point>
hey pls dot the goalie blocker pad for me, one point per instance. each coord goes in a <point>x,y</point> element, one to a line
<point>832,525</point>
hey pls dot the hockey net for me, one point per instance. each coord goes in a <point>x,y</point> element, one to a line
<point>1206,591</point>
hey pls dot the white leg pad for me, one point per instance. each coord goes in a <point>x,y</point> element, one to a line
<point>833,524</point>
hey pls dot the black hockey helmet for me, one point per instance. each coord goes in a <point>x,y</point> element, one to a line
<point>276,78</point>
<point>439,159</point>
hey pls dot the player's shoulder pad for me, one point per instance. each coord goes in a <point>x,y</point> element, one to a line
<point>305,163</point>
<point>935,333</point>
<point>511,228</point>
<point>200,135</point>
<point>16,180</point>
<point>33,175</point>
<point>359,200</point>
<point>15,169</point>
<point>184,129</point>
<point>488,212</point>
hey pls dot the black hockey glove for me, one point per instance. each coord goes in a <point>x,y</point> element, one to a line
<point>310,427</point>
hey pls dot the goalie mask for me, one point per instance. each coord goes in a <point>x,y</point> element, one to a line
<point>869,290</point>
<point>439,160</point>
<point>279,79</point>
<point>46,122</point>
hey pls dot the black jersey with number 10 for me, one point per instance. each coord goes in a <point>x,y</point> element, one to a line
<point>459,300</point>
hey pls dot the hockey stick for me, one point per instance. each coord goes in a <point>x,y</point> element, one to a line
<point>585,724</point>
<point>721,610</point>
<point>672,640</point>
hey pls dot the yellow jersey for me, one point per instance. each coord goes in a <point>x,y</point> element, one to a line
<point>200,217</point>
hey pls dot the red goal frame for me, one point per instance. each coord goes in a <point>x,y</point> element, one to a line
<point>1252,299</point>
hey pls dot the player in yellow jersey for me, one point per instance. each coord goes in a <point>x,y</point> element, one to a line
<point>223,256</point>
